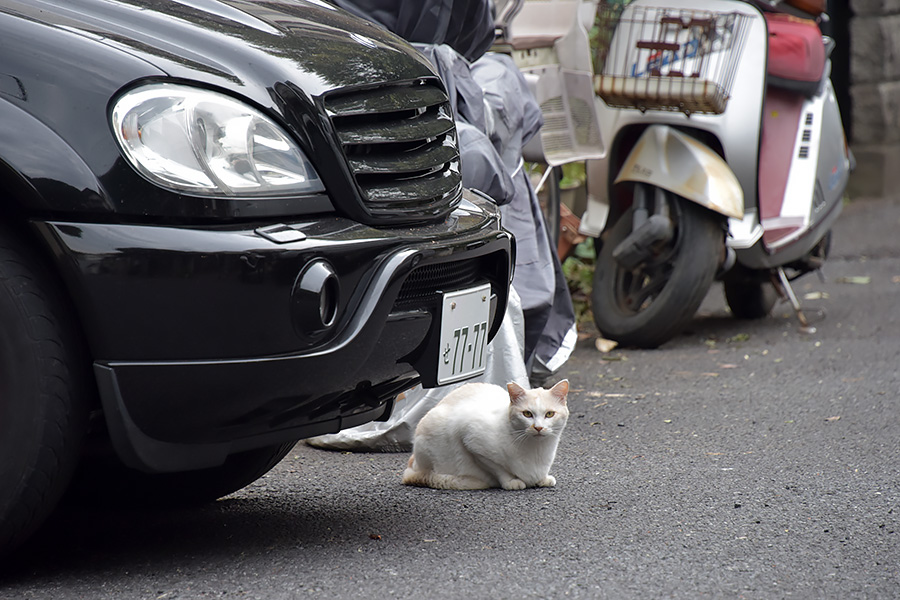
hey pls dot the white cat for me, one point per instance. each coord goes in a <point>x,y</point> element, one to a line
<point>482,436</point>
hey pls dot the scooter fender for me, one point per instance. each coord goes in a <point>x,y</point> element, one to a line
<point>666,158</point>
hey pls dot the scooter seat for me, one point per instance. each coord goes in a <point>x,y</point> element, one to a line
<point>796,54</point>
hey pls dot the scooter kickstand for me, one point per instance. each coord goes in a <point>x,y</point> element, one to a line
<point>786,291</point>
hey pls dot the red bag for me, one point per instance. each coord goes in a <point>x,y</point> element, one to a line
<point>796,52</point>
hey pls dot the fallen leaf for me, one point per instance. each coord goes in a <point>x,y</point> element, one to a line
<point>728,366</point>
<point>858,280</point>
<point>374,536</point>
<point>667,420</point>
<point>895,279</point>
<point>604,345</point>
<point>833,419</point>
<point>816,296</point>
<point>741,337</point>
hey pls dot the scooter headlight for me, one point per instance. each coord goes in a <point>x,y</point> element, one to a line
<point>206,143</point>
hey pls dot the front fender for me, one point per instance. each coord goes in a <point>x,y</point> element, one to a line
<point>40,171</point>
<point>666,158</point>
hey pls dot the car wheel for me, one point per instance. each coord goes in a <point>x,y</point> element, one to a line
<point>107,482</point>
<point>43,391</point>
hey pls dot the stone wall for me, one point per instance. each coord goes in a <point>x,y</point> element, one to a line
<point>875,95</point>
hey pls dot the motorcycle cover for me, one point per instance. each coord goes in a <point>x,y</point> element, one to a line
<point>467,26</point>
<point>515,118</point>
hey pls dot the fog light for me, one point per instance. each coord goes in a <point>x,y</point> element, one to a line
<point>315,299</point>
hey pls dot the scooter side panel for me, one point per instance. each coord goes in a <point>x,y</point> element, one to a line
<point>781,121</point>
<point>818,172</point>
<point>825,172</point>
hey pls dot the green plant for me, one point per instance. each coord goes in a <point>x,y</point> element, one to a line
<point>573,175</point>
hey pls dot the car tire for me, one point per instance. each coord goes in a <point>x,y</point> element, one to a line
<point>107,482</point>
<point>43,391</point>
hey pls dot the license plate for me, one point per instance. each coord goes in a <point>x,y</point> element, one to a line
<point>464,329</point>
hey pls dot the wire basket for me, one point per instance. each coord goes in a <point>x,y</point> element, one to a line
<point>656,58</point>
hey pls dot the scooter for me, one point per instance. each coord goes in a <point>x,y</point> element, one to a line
<point>720,156</point>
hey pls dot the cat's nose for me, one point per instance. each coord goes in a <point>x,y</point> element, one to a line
<point>538,428</point>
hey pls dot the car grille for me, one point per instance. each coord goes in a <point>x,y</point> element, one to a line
<point>400,143</point>
<point>423,287</point>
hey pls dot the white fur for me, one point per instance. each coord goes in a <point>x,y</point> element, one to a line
<point>480,436</point>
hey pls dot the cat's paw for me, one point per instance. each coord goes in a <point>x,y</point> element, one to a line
<point>548,481</point>
<point>514,484</point>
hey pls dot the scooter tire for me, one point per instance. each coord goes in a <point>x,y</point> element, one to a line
<point>650,305</point>
<point>749,299</point>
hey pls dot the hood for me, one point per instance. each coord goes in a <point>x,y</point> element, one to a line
<point>310,45</point>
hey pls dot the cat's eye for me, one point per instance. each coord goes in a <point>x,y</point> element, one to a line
<point>549,414</point>
<point>527,414</point>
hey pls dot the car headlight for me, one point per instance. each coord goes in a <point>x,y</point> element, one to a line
<point>202,142</point>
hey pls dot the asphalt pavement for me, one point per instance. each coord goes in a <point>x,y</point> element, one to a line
<point>740,460</point>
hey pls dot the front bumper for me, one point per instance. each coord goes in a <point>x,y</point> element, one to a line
<point>202,347</point>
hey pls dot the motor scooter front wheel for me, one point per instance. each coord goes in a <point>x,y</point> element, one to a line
<point>650,304</point>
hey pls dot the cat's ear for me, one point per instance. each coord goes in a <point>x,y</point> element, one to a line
<point>560,390</point>
<point>516,392</point>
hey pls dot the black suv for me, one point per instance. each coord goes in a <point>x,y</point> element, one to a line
<point>224,227</point>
